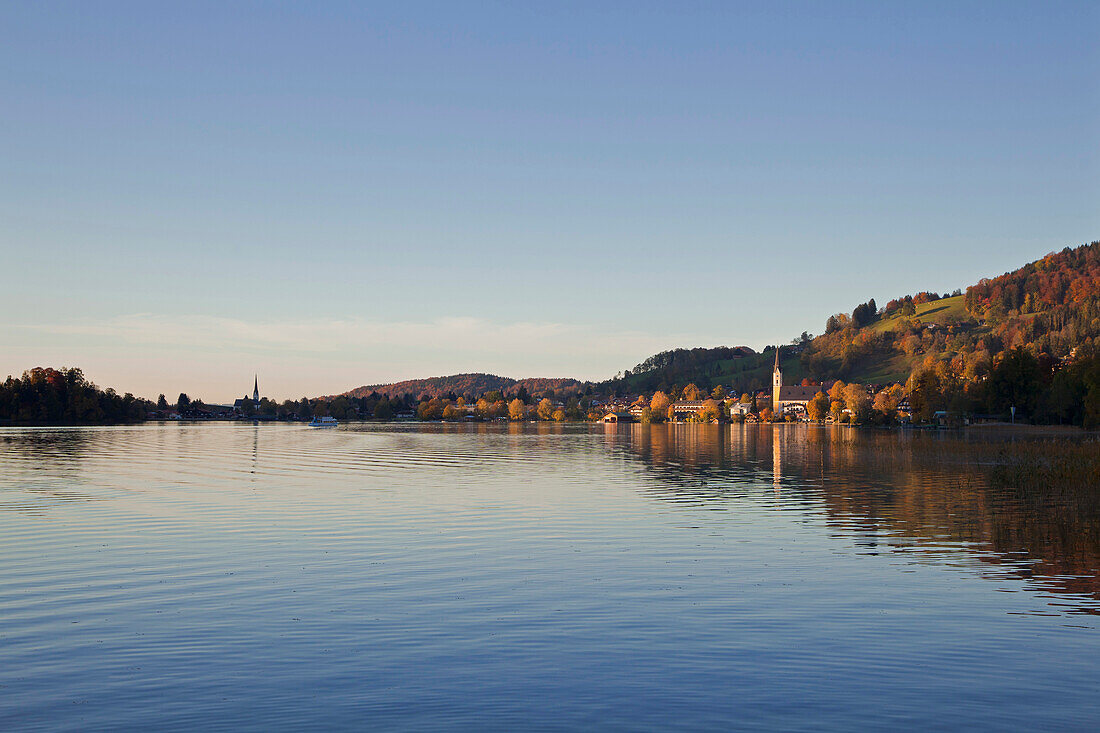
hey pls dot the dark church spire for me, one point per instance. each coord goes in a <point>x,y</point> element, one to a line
<point>256,389</point>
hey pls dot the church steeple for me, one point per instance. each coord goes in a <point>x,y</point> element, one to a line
<point>777,384</point>
<point>256,389</point>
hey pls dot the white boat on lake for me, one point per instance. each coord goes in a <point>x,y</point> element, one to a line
<point>323,422</point>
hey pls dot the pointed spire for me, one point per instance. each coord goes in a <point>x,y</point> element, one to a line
<point>777,358</point>
<point>256,389</point>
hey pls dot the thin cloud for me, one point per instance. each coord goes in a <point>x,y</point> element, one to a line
<point>447,339</point>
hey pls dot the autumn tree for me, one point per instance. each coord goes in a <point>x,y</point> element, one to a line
<point>430,410</point>
<point>836,409</point>
<point>818,407</point>
<point>659,403</point>
<point>718,393</point>
<point>709,411</point>
<point>558,415</point>
<point>692,393</point>
<point>836,392</point>
<point>516,409</point>
<point>888,399</point>
<point>545,409</point>
<point>857,401</point>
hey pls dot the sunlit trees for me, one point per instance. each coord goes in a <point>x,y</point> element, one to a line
<point>766,414</point>
<point>659,403</point>
<point>545,409</point>
<point>887,400</point>
<point>836,409</point>
<point>718,393</point>
<point>430,410</point>
<point>836,392</point>
<point>709,411</point>
<point>692,393</point>
<point>558,415</point>
<point>818,407</point>
<point>516,409</point>
<point>857,401</point>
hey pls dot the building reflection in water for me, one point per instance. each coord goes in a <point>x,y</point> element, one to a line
<point>889,491</point>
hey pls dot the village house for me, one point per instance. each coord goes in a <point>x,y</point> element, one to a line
<point>740,409</point>
<point>686,408</point>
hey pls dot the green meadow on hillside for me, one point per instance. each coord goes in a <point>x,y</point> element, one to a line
<point>943,312</point>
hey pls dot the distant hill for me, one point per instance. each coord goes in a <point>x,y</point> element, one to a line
<point>468,384</point>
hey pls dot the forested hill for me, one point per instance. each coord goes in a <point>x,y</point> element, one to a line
<point>468,384</point>
<point>705,368</point>
<point>1050,307</point>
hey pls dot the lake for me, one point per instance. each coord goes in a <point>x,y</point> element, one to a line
<point>494,576</point>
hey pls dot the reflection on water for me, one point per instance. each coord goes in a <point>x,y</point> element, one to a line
<point>898,491</point>
<point>268,577</point>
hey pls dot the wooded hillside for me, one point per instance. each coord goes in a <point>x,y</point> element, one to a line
<point>473,385</point>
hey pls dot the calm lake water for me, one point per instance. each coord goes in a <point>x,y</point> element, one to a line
<point>534,577</point>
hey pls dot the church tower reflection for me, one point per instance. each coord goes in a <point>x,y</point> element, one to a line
<point>777,461</point>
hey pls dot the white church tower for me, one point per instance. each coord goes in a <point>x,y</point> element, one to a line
<point>777,384</point>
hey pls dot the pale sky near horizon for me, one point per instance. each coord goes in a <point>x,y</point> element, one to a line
<point>340,194</point>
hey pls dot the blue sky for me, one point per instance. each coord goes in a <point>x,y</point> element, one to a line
<point>348,194</point>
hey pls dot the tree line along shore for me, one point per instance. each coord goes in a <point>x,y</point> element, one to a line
<point>1069,395</point>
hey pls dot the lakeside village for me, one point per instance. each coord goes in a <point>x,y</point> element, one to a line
<point>827,402</point>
